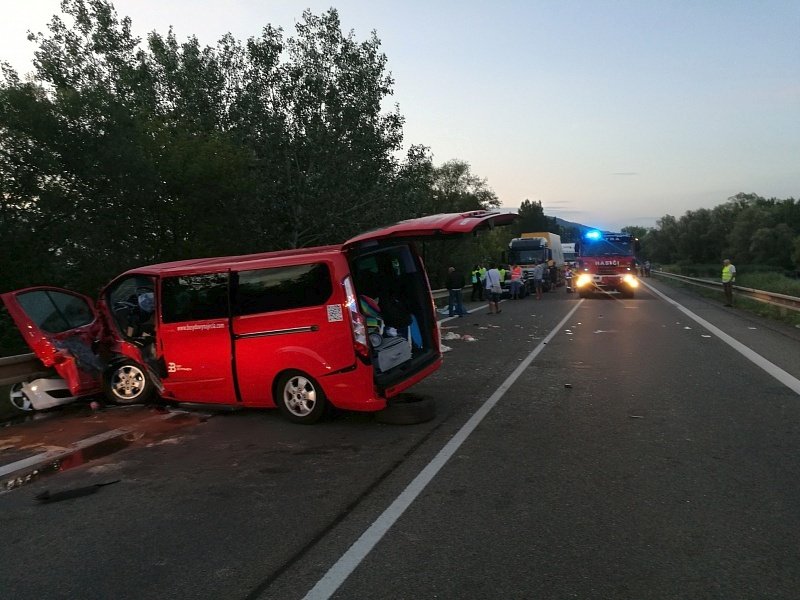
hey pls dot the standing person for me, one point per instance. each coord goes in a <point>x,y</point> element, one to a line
<point>728,279</point>
<point>516,282</point>
<point>493,289</point>
<point>477,284</point>
<point>552,275</point>
<point>483,282</point>
<point>647,268</point>
<point>568,278</point>
<point>455,283</point>
<point>538,278</point>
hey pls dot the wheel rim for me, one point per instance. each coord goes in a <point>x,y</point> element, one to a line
<point>19,398</point>
<point>128,382</point>
<point>299,396</point>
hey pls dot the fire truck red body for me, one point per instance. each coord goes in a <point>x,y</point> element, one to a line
<point>606,263</point>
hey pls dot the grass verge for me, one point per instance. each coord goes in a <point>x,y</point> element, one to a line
<point>776,313</point>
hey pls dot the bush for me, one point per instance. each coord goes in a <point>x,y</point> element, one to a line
<point>769,282</point>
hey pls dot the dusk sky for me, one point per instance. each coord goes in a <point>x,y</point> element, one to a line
<point>609,113</point>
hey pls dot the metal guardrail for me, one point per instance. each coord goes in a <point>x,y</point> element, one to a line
<point>772,298</point>
<point>20,368</point>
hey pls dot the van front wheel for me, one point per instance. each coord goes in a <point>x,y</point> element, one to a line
<point>128,383</point>
<point>300,398</point>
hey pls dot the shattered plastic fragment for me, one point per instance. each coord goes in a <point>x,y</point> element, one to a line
<point>705,336</point>
<point>568,385</point>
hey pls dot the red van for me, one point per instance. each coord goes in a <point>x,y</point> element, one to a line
<point>351,325</point>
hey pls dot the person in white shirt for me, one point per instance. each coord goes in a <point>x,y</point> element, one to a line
<point>494,289</point>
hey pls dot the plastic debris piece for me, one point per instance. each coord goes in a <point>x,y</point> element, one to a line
<point>444,348</point>
<point>686,327</point>
<point>451,336</point>
<point>705,335</point>
<point>468,338</point>
<point>752,327</point>
<point>636,416</point>
<point>568,386</point>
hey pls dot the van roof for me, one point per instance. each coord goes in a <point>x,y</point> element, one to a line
<point>244,261</point>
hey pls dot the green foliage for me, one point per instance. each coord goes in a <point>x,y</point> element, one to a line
<point>454,188</point>
<point>121,153</point>
<point>532,218</point>
<point>748,229</point>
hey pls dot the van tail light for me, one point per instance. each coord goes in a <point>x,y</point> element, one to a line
<point>358,322</point>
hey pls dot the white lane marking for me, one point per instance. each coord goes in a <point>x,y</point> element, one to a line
<point>785,378</point>
<point>342,569</point>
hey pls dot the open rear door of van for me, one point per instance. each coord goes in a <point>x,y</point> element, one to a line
<point>437,226</point>
<point>60,327</point>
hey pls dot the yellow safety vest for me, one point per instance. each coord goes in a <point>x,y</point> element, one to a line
<point>726,274</point>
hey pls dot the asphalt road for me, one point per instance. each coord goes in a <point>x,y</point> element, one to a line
<point>636,456</point>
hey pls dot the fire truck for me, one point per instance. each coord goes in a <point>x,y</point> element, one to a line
<point>606,262</point>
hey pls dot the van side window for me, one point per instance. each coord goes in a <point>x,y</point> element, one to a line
<point>194,297</point>
<point>54,311</point>
<point>282,288</point>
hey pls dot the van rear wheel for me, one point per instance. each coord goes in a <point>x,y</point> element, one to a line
<point>300,398</point>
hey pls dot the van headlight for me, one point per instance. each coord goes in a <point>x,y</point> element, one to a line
<point>583,279</point>
<point>630,280</point>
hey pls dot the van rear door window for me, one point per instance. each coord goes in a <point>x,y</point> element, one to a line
<point>282,288</point>
<point>195,297</point>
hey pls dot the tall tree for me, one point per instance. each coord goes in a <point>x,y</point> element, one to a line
<point>532,218</point>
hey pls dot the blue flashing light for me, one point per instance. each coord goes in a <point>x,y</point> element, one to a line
<point>593,235</point>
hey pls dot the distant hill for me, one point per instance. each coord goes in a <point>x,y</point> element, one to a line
<point>580,226</point>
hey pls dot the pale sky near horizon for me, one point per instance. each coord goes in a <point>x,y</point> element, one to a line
<point>610,113</point>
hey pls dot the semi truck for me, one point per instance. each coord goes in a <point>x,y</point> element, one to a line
<point>569,253</point>
<point>532,248</point>
<point>606,262</point>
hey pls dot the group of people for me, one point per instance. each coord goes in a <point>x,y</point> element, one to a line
<point>487,284</point>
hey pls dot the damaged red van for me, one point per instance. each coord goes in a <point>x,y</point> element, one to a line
<point>349,325</point>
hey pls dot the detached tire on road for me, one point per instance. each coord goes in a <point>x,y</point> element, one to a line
<point>407,409</point>
<point>127,382</point>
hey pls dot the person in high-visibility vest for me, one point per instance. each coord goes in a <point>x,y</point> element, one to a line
<point>516,282</point>
<point>477,284</point>
<point>728,279</point>
<point>483,282</point>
